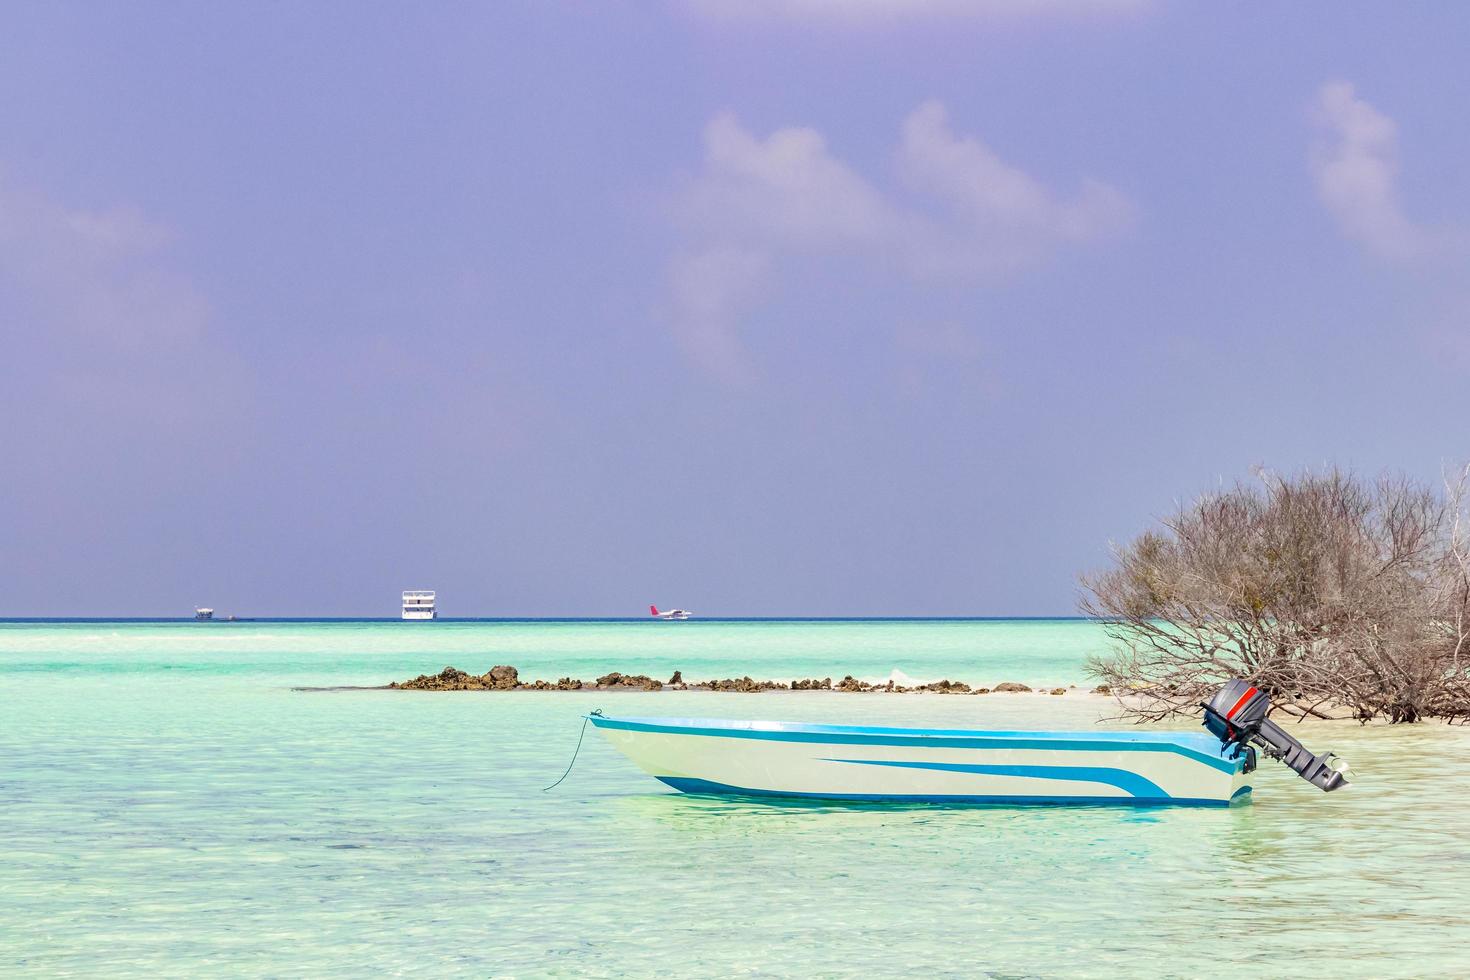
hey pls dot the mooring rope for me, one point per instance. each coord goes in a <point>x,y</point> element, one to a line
<point>598,713</point>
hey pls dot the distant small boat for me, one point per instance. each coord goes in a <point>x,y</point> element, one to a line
<point>420,604</point>
<point>203,612</point>
<point>940,765</point>
<point>669,613</point>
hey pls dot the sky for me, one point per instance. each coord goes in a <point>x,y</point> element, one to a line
<point>886,307</point>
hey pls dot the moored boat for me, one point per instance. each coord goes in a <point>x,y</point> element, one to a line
<point>843,762</point>
<point>962,766</point>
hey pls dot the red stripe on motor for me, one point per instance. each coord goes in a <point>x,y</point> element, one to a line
<point>1249,693</point>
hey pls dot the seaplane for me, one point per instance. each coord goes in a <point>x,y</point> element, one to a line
<point>669,613</point>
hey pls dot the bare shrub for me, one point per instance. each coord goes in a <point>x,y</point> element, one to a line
<point>1322,589</point>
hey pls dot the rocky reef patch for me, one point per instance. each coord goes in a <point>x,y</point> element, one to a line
<point>506,678</point>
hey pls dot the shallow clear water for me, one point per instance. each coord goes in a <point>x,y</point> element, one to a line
<point>169,806</point>
<point>1032,651</point>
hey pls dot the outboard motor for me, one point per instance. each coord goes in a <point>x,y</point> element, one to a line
<point>1237,716</point>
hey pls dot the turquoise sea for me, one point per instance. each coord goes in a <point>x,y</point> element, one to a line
<point>170,806</point>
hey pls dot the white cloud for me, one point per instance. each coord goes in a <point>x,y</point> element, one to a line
<point>1001,217</point>
<point>785,189</point>
<point>107,352</point>
<point>930,355</point>
<point>97,276</point>
<point>1355,164</point>
<point>960,212</point>
<point>710,290</point>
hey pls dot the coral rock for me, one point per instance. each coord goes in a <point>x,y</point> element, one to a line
<point>501,678</point>
<point>945,687</point>
<point>448,679</point>
<point>743,685</point>
<point>616,679</point>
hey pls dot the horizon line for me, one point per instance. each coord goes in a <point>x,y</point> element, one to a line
<point>528,619</point>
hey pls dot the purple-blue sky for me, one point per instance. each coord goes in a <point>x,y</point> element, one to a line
<point>884,307</point>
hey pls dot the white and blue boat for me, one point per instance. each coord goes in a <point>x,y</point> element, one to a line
<point>930,765</point>
<point>962,766</point>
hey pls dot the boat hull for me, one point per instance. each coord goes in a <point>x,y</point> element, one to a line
<point>906,765</point>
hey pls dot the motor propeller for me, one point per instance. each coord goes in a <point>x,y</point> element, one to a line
<point>1237,716</point>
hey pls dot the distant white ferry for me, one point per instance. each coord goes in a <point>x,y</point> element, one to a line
<point>203,612</point>
<point>669,613</point>
<point>419,604</point>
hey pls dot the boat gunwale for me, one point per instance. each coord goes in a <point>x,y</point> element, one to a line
<point>1199,747</point>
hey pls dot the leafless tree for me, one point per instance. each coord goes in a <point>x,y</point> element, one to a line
<point>1322,589</point>
<point>1451,601</point>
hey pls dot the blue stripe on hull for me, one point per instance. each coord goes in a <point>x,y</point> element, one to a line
<point>837,735</point>
<point>701,787</point>
<point>1129,782</point>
